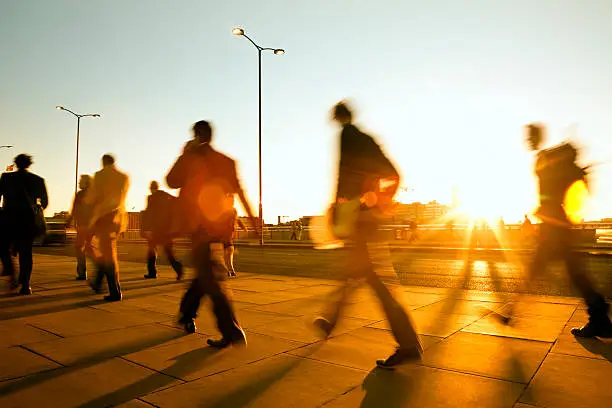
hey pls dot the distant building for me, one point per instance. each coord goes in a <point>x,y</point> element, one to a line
<point>420,212</point>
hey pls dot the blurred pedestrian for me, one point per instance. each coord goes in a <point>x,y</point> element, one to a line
<point>24,197</point>
<point>80,217</point>
<point>208,181</point>
<point>108,192</point>
<point>157,224</point>
<point>229,245</point>
<point>367,183</point>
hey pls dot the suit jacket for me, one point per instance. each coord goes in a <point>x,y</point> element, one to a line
<point>19,190</point>
<point>159,213</point>
<point>107,194</point>
<point>208,181</point>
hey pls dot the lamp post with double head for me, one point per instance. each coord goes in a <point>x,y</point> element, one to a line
<point>277,51</point>
<point>78,116</point>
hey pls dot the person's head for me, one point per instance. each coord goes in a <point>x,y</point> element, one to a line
<point>23,161</point>
<point>108,160</point>
<point>154,186</point>
<point>84,182</point>
<point>342,114</point>
<point>534,135</point>
<point>202,131</point>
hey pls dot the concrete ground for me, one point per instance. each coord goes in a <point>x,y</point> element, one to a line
<point>64,347</point>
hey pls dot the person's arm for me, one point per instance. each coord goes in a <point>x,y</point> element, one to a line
<point>178,173</point>
<point>71,216</point>
<point>44,198</point>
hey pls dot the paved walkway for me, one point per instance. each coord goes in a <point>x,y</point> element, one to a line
<point>63,347</point>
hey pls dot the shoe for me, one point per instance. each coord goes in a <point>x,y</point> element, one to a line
<point>111,298</point>
<point>189,325</point>
<point>399,357</point>
<point>324,326</point>
<point>238,341</point>
<point>81,278</point>
<point>594,330</point>
<point>25,291</point>
<point>147,276</point>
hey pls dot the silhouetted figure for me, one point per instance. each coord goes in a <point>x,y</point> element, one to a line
<point>107,195</point>
<point>229,245</point>
<point>557,170</point>
<point>528,231</point>
<point>293,231</point>
<point>361,202</point>
<point>208,181</point>
<point>24,196</point>
<point>300,228</point>
<point>80,216</point>
<point>157,224</point>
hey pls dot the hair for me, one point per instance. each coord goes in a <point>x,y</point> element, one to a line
<point>535,131</point>
<point>154,185</point>
<point>85,180</point>
<point>203,131</point>
<point>108,160</point>
<point>341,109</point>
<point>23,161</point>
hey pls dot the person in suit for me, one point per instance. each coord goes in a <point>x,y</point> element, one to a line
<point>208,182</point>
<point>21,192</point>
<point>80,216</point>
<point>362,169</point>
<point>157,227</point>
<point>107,196</point>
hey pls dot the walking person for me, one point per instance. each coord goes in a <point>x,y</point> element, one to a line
<point>229,245</point>
<point>157,224</point>
<point>208,181</point>
<point>24,197</point>
<point>294,230</point>
<point>557,171</point>
<point>360,206</point>
<point>108,192</point>
<point>80,217</point>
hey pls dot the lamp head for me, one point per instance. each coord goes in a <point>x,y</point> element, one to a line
<point>59,107</point>
<point>279,51</point>
<point>238,31</point>
<point>96,115</point>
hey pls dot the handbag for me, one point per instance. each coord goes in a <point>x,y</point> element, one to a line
<point>40,223</point>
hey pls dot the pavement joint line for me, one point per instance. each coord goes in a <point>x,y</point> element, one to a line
<point>45,330</point>
<point>450,370</point>
<point>146,402</point>
<point>574,355</point>
<point>151,369</point>
<point>536,371</point>
<point>45,357</point>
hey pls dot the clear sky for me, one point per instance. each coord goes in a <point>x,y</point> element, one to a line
<point>445,85</point>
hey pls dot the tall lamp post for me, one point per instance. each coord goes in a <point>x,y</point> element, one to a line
<point>278,51</point>
<point>78,116</point>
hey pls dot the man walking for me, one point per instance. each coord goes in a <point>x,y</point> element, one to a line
<point>361,202</point>
<point>80,216</point>
<point>24,196</point>
<point>157,225</point>
<point>208,183</point>
<point>557,171</point>
<point>108,193</point>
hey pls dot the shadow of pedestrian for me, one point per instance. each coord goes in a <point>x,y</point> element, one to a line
<point>389,389</point>
<point>597,346</point>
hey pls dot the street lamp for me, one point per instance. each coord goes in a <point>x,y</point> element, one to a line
<point>78,116</point>
<point>277,51</point>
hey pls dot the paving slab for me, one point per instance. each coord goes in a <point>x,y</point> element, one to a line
<point>434,324</point>
<point>548,311</point>
<point>532,328</point>
<point>278,381</point>
<point>189,358</point>
<point>18,332</point>
<point>461,306</point>
<point>261,285</point>
<point>299,307</point>
<point>105,384</point>
<point>135,403</point>
<point>100,346</point>
<point>302,329</point>
<point>265,298</point>
<point>16,362</point>
<point>580,347</point>
<point>568,381</point>
<point>358,349</point>
<point>491,356</point>
<point>415,386</point>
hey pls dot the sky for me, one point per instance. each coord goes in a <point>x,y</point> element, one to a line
<point>444,86</point>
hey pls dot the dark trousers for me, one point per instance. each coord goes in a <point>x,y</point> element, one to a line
<point>364,258</point>
<point>557,242</point>
<point>23,246</point>
<point>168,248</point>
<point>207,283</point>
<point>106,230</point>
<point>83,248</point>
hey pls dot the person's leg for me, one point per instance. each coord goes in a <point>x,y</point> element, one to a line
<point>8,269</point>
<point>79,246</point>
<point>24,246</point>
<point>108,250</point>
<point>151,259</point>
<point>175,263</point>
<point>229,259</point>
<point>599,322</point>
<point>190,303</point>
<point>226,320</point>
